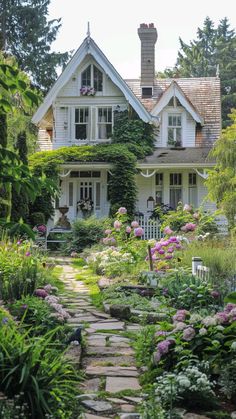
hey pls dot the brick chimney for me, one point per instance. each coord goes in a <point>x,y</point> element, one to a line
<point>148,37</point>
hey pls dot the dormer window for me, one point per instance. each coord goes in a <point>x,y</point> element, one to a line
<point>92,77</point>
<point>174,130</point>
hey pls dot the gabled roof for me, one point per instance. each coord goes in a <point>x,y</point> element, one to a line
<point>202,92</point>
<point>90,47</point>
<point>174,90</point>
<point>171,157</point>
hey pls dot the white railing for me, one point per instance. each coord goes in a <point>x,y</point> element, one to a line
<point>151,227</point>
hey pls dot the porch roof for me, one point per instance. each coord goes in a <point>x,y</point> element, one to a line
<point>185,156</point>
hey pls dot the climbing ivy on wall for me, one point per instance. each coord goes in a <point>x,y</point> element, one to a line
<point>134,140</point>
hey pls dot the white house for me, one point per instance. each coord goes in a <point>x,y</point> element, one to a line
<point>79,109</point>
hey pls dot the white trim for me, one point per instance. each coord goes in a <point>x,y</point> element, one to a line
<point>175,90</point>
<point>173,165</point>
<point>203,175</point>
<point>90,48</point>
<point>147,175</point>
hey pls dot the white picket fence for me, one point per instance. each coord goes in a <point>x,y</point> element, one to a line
<point>203,272</point>
<point>151,227</point>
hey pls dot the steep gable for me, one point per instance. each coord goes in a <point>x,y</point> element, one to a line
<point>89,47</point>
<point>203,95</point>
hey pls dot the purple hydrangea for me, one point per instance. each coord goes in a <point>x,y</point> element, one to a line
<point>138,232</point>
<point>40,293</point>
<point>180,315</point>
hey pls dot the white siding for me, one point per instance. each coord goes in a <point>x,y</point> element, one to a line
<point>190,132</point>
<point>61,126</point>
<point>44,141</point>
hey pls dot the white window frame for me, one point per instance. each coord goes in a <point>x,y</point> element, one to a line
<point>99,123</point>
<point>174,128</point>
<point>192,188</point>
<point>91,65</point>
<point>177,184</point>
<point>159,185</point>
<point>87,123</point>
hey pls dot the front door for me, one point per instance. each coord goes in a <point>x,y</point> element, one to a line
<point>89,197</point>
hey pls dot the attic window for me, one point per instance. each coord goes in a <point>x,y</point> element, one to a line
<point>92,77</point>
<point>146,92</point>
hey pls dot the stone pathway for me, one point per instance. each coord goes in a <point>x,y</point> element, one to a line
<point>108,359</point>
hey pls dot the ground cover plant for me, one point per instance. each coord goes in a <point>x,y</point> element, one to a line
<point>188,357</point>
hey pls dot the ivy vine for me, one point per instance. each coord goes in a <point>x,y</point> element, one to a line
<point>132,139</point>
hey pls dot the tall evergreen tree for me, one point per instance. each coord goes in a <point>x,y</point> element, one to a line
<point>26,33</point>
<point>20,200</point>
<point>212,53</point>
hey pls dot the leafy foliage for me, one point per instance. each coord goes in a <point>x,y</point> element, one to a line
<point>221,182</point>
<point>215,47</point>
<point>85,233</point>
<point>37,372</point>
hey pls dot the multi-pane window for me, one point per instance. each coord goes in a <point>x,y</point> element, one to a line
<point>81,123</point>
<point>86,77</point>
<point>159,188</point>
<point>175,189</point>
<point>104,123</point>
<point>92,77</point>
<point>97,79</point>
<point>174,129</point>
<point>192,189</point>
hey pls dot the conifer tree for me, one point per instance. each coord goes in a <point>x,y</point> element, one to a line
<point>212,53</point>
<point>26,34</point>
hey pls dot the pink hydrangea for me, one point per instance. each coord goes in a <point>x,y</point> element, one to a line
<point>187,207</point>
<point>167,257</point>
<point>117,224</point>
<point>222,317</point>
<point>128,229</point>
<point>167,230</point>
<point>138,232</point>
<point>122,210</point>
<point>107,232</point>
<point>170,249</point>
<point>229,307</point>
<point>134,224</point>
<point>215,294</point>
<point>161,252</point>
<point>190,226</point>
<point>188,333</point>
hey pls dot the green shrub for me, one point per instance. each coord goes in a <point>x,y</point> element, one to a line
<point>21,269</point>
<point>35,370</point>
<point>86,232</point>
<point>36,313</point>
<point>37,218</point>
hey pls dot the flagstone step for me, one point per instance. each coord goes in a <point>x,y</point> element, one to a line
<point>112,371</point>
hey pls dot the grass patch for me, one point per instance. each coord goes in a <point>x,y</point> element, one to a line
<point>90,279</point>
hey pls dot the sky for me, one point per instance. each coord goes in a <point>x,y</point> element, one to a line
<point>114,24</point>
